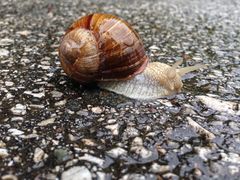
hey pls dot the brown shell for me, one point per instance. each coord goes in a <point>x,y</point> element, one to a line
<point>101,47</point>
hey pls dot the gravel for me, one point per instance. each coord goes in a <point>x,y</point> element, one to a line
<point>76,173</point>
<point>51,127</point>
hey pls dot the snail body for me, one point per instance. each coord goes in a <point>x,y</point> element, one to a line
<point>157,80</point>
<point>103,48</point>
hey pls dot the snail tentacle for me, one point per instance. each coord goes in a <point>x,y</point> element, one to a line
<point>185,70</point>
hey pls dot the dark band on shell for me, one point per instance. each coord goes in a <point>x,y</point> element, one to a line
<point>101,47</point>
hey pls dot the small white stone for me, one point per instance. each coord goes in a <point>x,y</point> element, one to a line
<point>56,94</point>
<point>110,121</point>
<point>101,176</point>
<point>156,168</point>
<point>24,32</point>
<point>83,112</point>
<point>9,96</point>
<point>203,152</point>
<point>131,132</point>
<point>36,95</point>
<point>93,159</point>
<point>3,153</point>
<point>38,155</point>
<point>71,163</point>
<point>72,137</point>
<point>165,102</point>
<point>133,177</point>
<point>231,158</point>
<point>6,42</point>
<point>76,173</point>
<point>89,142</point>
<point>69,111</point>
<point>15,132</point>
<point>9,83</point>
<point>97,110</point>
<point>151,134</point>
<point>49,74</point>
<point>2,144</point>
<point>9,177</point>
<point>170,176</point>
<point>4,52</point>
<point>114,128</point>
<point>234,125</point>
<point>44,67</point>
<point>25,60</point>
<point>19,109</point>
<point>138,148</point>
<point>200,130</point>
<point>196,58</point>
<point>112,110</point>
<point>233,169</point>
<point>219,105</point>
<point>142,151</point>
<point>61,103</point>
<point>36,106</point>
<point>54,53</point>
<point>30,136</point>
<point>17,118</point>
<point>46,122</point>
<point>137,141</point>
<point>117,152</point>
<point>217,123</point>
<point>197,172</point>
<point>154,47</point>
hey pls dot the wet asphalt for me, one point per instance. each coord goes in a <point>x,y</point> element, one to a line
<point>51,127</point>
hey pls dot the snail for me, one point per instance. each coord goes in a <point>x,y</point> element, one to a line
<point>105,49</point>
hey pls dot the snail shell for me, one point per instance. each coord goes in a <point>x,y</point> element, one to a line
<point>103,48</point>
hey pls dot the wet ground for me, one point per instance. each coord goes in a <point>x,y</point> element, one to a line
<point>51,127</point>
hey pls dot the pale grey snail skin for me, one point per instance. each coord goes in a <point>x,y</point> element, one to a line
<point>156,81</point>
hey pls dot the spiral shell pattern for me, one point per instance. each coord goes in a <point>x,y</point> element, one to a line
<point>101,47</point>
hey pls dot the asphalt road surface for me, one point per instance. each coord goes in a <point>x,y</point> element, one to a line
<point>52,127</point>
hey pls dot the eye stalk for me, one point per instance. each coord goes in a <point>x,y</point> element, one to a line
<point>185,70</point>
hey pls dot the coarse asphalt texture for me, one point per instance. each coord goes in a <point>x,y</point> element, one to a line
<point>54,128</point>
